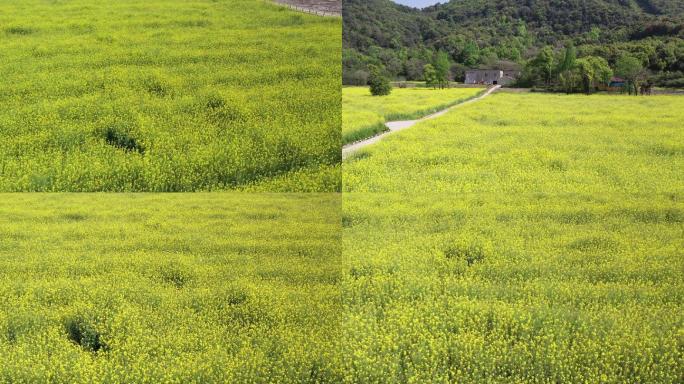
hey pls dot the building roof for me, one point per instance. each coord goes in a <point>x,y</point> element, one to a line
<point>483,70</point>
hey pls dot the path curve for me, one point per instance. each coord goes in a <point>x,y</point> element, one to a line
<point>395,126</point>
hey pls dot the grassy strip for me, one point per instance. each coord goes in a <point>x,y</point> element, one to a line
<point>364,133</point>
<point>365,116</point>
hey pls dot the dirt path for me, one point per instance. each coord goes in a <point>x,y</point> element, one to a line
<point>316,7</point>
<point>395,126</point>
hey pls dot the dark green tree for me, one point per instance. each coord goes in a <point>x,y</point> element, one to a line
<point>542,65</point>
<point>470,56</point>
<point>378,82</point>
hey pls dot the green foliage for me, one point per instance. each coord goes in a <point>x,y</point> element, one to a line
<point>165,95</point>
<point>543,65</point>
<point>631,69</point>
<point>173,288</point>
<point>595,33</point>
<point>482,32</point>
<point>470,56</point>
<point>378,83</point>
<point>586,72</point>
<point>567,62</point>
<point>602,71</point>
<point>570,79</point>
<point>593,71</point>
<point>572,74</point>
<point>430,76</point>
<point>441,65</point>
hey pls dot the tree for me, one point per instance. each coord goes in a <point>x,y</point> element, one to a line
<point>357,77</point>
<point>391,63</point>
<point>458,71</point>
<point>430,75</point>
<point>570,79</point>
<point>414,68</point>
<point>379,83</point>
<point>441,66</point>
<point>569,57</point>
<point>586,73</point>
<point>476,32</point>
<point>521,30</point>
<point>470,55</point>
<point>595,33</point>
<point>602,71</point>
<point>542,65</point>
<point>631,69</point>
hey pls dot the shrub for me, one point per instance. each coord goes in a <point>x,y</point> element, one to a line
<point>379,83</point>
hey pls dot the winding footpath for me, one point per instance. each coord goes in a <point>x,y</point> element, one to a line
<point>396,126</point>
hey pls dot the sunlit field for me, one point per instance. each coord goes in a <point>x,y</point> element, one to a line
<point>364,115</point>
<point>166,95</point>
<point>474,288</point>
<point>526,143</point>
<point>169,288</point>
<point>522,238</point>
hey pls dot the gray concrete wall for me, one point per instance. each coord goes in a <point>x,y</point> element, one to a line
<point>483,76</point>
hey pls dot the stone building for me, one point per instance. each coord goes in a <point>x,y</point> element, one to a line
<point>491,76</point>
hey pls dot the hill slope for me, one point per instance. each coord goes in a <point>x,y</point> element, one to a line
<point>479,32</point>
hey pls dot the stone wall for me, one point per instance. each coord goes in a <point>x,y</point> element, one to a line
<point>317,7</point>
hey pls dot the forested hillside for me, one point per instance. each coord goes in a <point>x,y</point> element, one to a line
<point>483,32</point>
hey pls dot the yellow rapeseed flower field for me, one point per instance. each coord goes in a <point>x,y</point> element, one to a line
<point>525,238</point>
<point>169,288</point>
<point>165,95</point>
<point>519,288</point>
<point>528,143</point>
<point>364,115</point>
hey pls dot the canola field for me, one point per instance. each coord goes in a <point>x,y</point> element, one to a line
<point>169,288</point>
<point>167,96</point>
<point>364,115</point>
<point>482,288</point>
<point>522,238</point>
<point>529,143</point>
